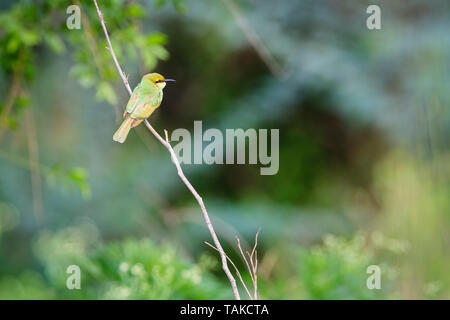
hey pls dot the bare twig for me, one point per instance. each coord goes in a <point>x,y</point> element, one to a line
<point>87,29</point>
<point>254,257</point>
<point>245,259</point>
<point>236,269</point>
<point>111,50</point>
<point>255,278</point>
<point>166,144</point>
<point>92,44</point>
<point>253,265</point>
<point>33,151</point>
<point>254,40</point>
<point>205,216</point>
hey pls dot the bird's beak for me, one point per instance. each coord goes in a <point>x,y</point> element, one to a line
<point>169,80</point>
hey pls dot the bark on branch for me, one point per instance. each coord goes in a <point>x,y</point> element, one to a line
<point>166,143</point>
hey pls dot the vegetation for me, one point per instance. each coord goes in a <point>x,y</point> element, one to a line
<point>364,154</point>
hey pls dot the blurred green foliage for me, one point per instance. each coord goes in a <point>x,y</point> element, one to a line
<point>131,269</point>
<point>140,269</point>
<point>364,149</point>
<point>28,26</point>
<point>337,270</point>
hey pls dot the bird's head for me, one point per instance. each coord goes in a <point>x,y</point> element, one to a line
<point>157,79</point>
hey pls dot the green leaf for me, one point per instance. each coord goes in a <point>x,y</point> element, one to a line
<point>29,37</point>
<point>156,38</point>
<point>160,3</point>
<point>149,59</point>
<point>106,92</point>
<point>13,44</point>
<point>179,6</point>
<point>160,52</point>
<point>55,43</point>
<point>84,75</point>
<point>12,123</point>
<point>135,10</point>
<point>79,176</point>
<point>73,178</point>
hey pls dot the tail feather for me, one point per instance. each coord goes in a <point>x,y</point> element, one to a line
<point>122,133</point>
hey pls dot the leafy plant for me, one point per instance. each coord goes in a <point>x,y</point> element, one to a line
<point>130,269</point>
<point>337,270</point>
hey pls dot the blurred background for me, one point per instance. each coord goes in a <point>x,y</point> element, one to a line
<point>364,171</point>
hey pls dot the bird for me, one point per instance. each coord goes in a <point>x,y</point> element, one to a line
<point>146,98</point>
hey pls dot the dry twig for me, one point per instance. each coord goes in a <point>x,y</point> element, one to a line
<point>254,39</point>
<point>166,143</point>
<point>236,269</point>
<point>33,154</point>
<point>253,266</point>
<point>253,257</point>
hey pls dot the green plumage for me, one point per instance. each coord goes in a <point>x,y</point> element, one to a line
<point>146,98</point>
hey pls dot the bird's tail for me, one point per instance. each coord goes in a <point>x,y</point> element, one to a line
<point>122,133</point>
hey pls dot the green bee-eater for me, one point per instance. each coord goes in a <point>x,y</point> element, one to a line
<point>146,97</point>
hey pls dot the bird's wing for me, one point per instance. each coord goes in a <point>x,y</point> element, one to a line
<point>146,104</point>
<point>132,103</point>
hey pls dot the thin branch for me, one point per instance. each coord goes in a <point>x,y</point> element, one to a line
<point>205,216</point>
<point>111,50</point>
<point>255,278</point>
<point>236,269</point>
<point>33,153</point>
<point>254,262</point>
<point>255,285</point>
<point>254,40</point>
<point>92,44</point>
<point>253,266</point>
<point>256,241</point>
<point>166,144</point>
<point>245,259</point>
